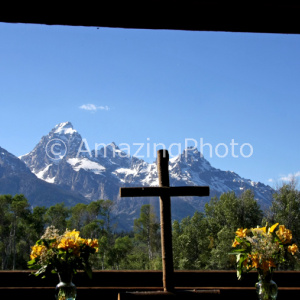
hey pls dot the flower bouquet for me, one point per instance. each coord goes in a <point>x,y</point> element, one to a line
<point>263,249</point>
<point>63,254</point>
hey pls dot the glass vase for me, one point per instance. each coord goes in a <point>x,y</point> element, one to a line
<point>266,288</point>
<point>66,289</point>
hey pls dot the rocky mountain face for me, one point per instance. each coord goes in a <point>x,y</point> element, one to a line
<point>61,159</point>
<point>16,178</point>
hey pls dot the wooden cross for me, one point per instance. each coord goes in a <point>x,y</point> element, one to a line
<point>164,191</point>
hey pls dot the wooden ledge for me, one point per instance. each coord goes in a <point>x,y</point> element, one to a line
<point>148,289</point>
<point>178,295</point>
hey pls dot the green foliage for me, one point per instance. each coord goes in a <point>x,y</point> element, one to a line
<point>146,231</point>
<point>201,241</point>
<point>118,256</point>
<point>224,216</point>
<point>56,216</point>
<point>285,208</point>
<point>191,243</point>
<point>231,211</point>
<point>91,219</point>
<point>15,231</point>
<point>219,259</point>
<point>21,227</point>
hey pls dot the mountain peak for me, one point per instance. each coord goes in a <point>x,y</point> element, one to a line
<point>11,163</point>
<point>113,145</point>
<point>64,128</point>
<point>191,153</point>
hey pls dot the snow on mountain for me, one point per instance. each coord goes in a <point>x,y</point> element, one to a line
<point>41,174</point>
<point>61,141</point>
<point>16,178</point>
<point>64,128</point>
<point>10,162</point>
<point>85,164</point>
<point>61,158</point>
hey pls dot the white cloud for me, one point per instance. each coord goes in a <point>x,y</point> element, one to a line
<point>93,107</point>
<point>290,176</point>
<point>270,180</point>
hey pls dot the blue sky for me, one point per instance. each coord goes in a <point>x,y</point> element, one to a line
<point>156,86</point>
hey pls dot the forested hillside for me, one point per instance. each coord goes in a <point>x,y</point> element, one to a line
<point>201,241</point>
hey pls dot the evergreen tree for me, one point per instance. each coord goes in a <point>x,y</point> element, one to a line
<point>224,217</point>
<point>15,231</point>
<point>57,216</point>
<point>118,255</point>
<point>191,243</point>
<point>5,223</point>
<point>285,208</point>
<point>146,231</point>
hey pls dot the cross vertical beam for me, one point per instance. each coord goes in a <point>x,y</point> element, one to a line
<point>165,221</point>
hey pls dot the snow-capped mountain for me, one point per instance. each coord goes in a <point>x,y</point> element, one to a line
<point>16,178</point>
<point>61,158</point>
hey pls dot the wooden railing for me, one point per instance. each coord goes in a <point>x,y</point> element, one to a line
<point>109,284</point>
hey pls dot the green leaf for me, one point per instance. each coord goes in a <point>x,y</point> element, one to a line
<point>239,274</point>
<point>88,271</point>
<point>235,251</point>
<point>31,262</point>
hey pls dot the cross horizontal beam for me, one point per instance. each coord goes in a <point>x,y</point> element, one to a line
<point>176,191</point>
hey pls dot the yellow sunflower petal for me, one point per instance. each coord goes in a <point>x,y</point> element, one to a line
<point>272,228</point>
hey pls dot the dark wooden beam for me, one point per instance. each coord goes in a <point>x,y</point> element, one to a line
<point>200,15</point>
<point>178,295</point>
<point>178,191</point>
<point>108,284</point>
